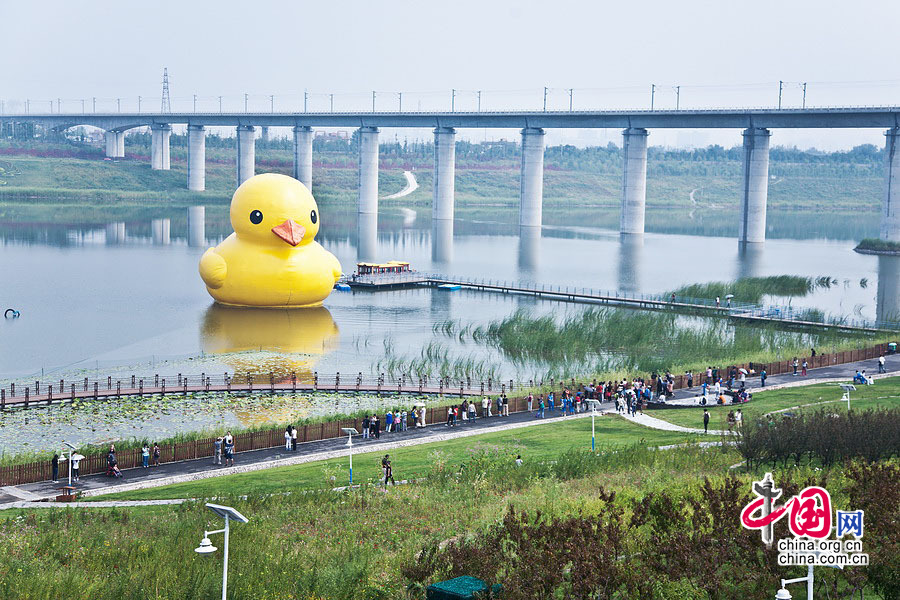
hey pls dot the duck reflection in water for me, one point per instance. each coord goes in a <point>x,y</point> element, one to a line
<point>295,339</point>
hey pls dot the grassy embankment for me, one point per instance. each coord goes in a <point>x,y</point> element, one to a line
<point>534,443</point>
<point>366,544</point>
<point>716,184</point>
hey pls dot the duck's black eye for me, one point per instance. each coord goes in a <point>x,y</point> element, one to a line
<point>313,217</point>
<point>256,217</point>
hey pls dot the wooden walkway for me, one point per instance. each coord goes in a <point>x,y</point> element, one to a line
<point>27,398</point>
<point>760,315</point>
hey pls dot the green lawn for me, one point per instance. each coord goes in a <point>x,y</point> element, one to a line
<point>885,393</point>
<point>533,443</point>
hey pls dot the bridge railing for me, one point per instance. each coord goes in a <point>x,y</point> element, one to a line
<point>726,306</point>
<point>33,392</point>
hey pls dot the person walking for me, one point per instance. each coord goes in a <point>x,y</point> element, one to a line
<point>738,419</point>
<point>293,438</point>
<point>388,421</point>
<point>484,407</point>
<point>762,377</point>
<point>473,413</point>
<point>156,454</point>
<point>803,368</point>
<point>76,464</point>
<point>449,416</point>
<point>690,379</point>
<point>388,470</point>
<point>705,421</point>
<point>287,437</point>
<point>376,426</point>
<point>505,405</point>
<point>217,451</point>
<point>229,449</point>
<point>145,455</point>
<point>530,401</point>
<point>731,421</point>
<point>881,364</point>
<point>54,467</point>
<point>550,400</point>
<point>541,408</point>
<point>795,364</point>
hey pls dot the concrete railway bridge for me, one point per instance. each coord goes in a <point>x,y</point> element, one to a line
<point>757,125</point>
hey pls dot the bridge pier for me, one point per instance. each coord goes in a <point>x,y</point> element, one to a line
<point>442,241</point>
<point>531,190</point>
<point>196,226</point>
<point>368,170</point>
<point>115,144</point>
<point>161,229</point>
<point>634,180</point>
<point>366,237</point>
<point>890,209</point>
<point>444,173</point>
<point>529,248</point>
<point>160,159</point>
<point>246,153</point>
<point>756,185</point>
<point>887,301</point>
<point>303,150</point>
<point>196,158</point>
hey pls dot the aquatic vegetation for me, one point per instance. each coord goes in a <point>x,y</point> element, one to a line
<point>604,341</point>
<point>30,434</point>
<point>752,289</point>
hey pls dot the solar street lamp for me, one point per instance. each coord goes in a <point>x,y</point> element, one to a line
<point>206,547</point>
<point>71,450</point>
<point>847,387</point>
<point>350,431</point>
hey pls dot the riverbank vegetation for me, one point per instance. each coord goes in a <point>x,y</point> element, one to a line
<point>646,523</point>
<point>878,246</point>
<point>704,181</point>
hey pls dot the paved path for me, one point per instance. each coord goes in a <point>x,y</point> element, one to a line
<point>192,470</point>
<point>94,485</point>
<point>411,186</point>
<point>831,373</point>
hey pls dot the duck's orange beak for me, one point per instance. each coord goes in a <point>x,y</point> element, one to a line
<point>290,231</point>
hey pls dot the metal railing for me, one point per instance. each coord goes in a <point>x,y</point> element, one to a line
<point>726,307</point>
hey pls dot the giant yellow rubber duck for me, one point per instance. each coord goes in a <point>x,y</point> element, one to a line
<point>272,259</point>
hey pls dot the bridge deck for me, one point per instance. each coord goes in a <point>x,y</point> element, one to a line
<point>277,388</point>
<point>745,312</point>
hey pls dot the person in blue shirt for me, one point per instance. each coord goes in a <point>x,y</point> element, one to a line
<point>550,401</point>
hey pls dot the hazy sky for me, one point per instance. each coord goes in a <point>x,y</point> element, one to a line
<point>724,53</point>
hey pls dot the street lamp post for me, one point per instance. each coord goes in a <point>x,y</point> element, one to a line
<point>593,434</point>
<point>350,431</point>
<point>206,547</point>
<point>71,450</point>
<point>652,94</point>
